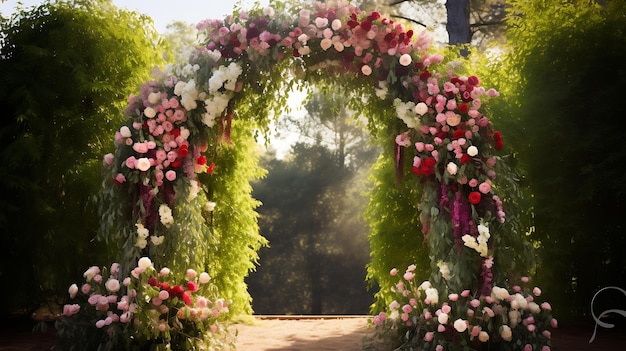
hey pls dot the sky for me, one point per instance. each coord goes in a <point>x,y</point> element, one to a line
<point>162,12</point>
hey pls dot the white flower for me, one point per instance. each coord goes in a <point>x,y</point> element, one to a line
<point>112,285</point>
<point>204,278</point>
<point>425,285</point>
<point>444,270</point>
<point>154,98</point>
<point>193,190</point>
<point>141,243</point>
<point>157,240</point>
<point>73,290</point>
<point>178,88</point>
<point>91,272</point>
<point>421,108</point>
<point>142,232</point>
<point>381,91</point>
<point>166,215</point>
<point>452,168</point>
<point>506,333</point>
<point>472,151</point>
<point>125,132</point>
<point>268,11</point>
<point>143,164</point>
<point>336,25</point>
<point>433,295</point>
<point>405,60</point>
<point>210,206</point>
<point>460,325</point>
<point>483,336</point>
<point>443,318</point>
<point>144,263</point>
<point>499,293</point>
<point>366,70</point>
<point>514,318</point>
<point>149,112</point>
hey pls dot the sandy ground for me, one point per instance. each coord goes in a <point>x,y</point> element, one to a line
<point>321,333</point>
<point>301,333</point>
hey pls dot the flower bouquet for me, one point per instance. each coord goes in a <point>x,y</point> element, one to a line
<point>503,320</point>
<point>148,310</point>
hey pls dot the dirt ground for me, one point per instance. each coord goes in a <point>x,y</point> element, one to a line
<point>318,333</point>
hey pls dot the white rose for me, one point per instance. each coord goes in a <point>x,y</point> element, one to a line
<point>204,278</point>
<point>73,290</point>
<point>443,318</point>
<point>143,164</point>
<point>452,168</point>
<point>506,333</point>
<point>483,336</point>
<point>144,263</point>
<point>405,60</point>
<point>472,151</point>
<point>125,132</point>
<point>112,285</point>
<point>460,325</point>
<point>154,98</point>
<point>421,108</point>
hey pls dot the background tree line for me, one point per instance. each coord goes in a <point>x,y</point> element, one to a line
<point>67,70</point>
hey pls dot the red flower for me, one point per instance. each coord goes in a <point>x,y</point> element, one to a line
<point>474,197</point>
<point>427,170</point>
<point>191,286</point>
<point>176,132</point>
<point>463,108</point>
<point>416,171</point>
<point>465,159</point>
<point>186,298</point>
<point>425,75</point>
<point>201,160</point>
<point>152,281</point>
<point>211,168</point>
<point>497,137</point>
<point>457,134</point>
<point>183,150</point>
<point>176,290</point>
<point>176,164</point>
<point>164,286</point>
<point>473,80</point>
<point>430,162</point>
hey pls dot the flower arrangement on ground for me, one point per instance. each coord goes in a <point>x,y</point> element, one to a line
<point>148,310</point>
<point>504,320</point>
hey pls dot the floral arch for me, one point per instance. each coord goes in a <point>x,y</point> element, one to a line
<point>177,193</point>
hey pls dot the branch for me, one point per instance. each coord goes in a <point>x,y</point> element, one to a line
<point>397,2</point>
<point>410,20</point>
<point>485,24</point>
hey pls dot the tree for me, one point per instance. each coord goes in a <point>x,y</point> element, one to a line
<point>67,69</point>
<point>567,60</point>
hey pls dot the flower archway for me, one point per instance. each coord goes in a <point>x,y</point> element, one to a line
<point>177,193</point>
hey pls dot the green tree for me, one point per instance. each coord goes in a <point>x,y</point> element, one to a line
<point>568,62</point>
<point>67,68</point>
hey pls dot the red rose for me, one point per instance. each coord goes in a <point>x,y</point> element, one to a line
<point>427,170</point>
<point>497,137</point>
<point>183,151</point>
<point>176,164</point>
<point>201,160</point>
<point>474,197</point>
<point>186,298</point>
<point>152,281</point>
<point>176,132</point>
<point>416,171</point>
<point>211,168</point>
<point>176,290</point>
<point>465,159</point>
<point>473,80</point>
<point>430,162</point>
<point>425,75</point>
<point>458,134</point>
<point>191,286</point>
<point>463,107</point>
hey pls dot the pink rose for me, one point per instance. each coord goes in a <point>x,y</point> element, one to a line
<point>484,187</point>
<point>170,175</point>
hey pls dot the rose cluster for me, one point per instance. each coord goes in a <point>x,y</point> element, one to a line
<point>464,321</point>
<point>147,301</point>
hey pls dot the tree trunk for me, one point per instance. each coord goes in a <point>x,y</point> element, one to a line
<point>458,26</point>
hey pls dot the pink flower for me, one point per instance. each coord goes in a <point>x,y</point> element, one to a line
<point>428,337</point>
<point>453,297</point>
<point>131,162</point>
<point>546,306</point>
<point>393,272</point>
<point>170,175</point>
<point>537,291</point>
<point>465,293</point>
<point>475,303</point>
<point>408,275</point>
<point>484,187</point>
<point>69,310</point>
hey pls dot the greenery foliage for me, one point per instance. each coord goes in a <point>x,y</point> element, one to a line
<point>568,62</point>
<point>67,68</point>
